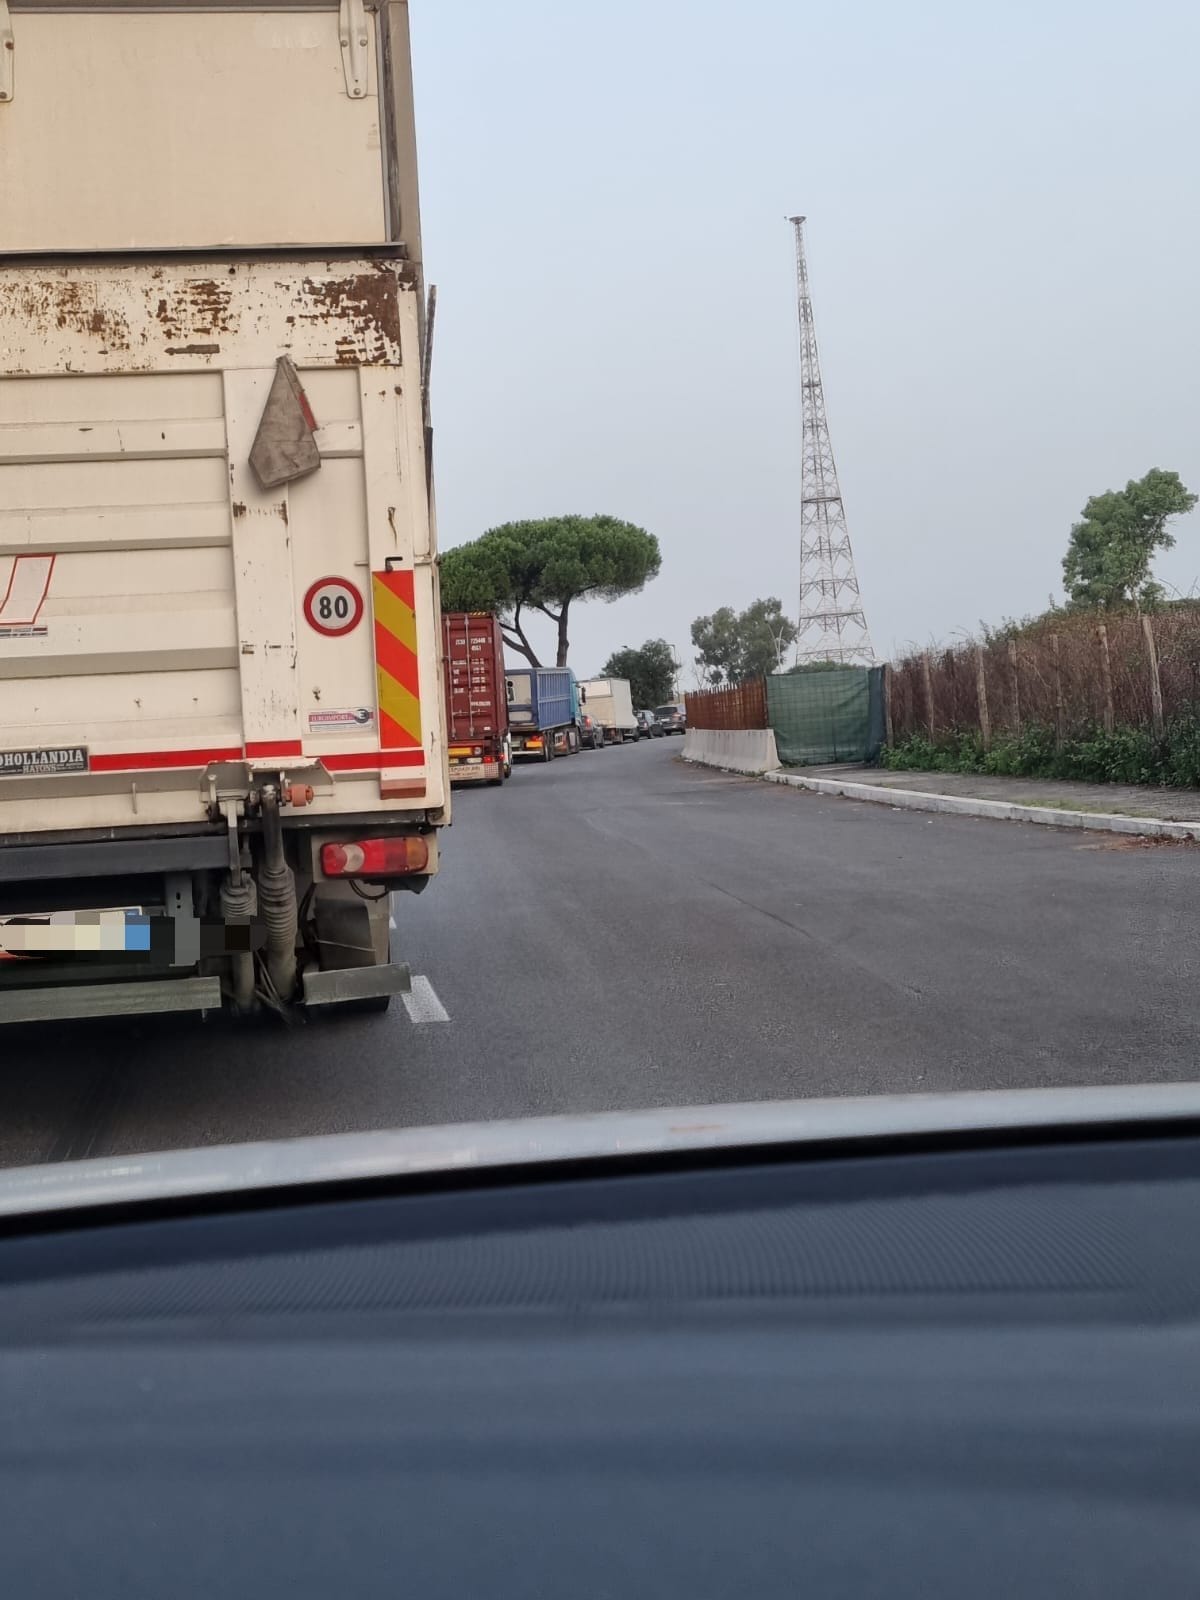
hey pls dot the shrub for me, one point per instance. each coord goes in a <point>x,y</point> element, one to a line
<point>1127,755</point>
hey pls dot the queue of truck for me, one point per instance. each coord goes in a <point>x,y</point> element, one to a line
<point>497,714</point>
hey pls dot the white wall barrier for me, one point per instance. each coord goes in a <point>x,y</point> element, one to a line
<point>750,751</point>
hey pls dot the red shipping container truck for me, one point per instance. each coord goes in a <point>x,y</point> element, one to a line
<point>476,698</point>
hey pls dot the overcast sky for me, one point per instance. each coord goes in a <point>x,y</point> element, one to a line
<point>1004,247</point>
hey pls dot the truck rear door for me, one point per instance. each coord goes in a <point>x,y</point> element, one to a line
<point>476,705</point>
<point>161,613</point>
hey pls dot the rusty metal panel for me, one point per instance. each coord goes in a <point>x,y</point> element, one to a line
<point>170,318</point>
<point>739,705</point>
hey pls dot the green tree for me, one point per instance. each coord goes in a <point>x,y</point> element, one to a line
<point>1108,557</point>
<point>718,647</point>
<point>545,566</point>
<point>731,646</point>
<point>650,670</point>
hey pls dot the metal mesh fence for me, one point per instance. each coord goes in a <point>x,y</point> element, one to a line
<point>822,717</point>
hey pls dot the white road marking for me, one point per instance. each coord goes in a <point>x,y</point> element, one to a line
<point>422,1004</point>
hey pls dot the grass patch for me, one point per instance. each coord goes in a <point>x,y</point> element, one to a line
<point>1128,755</point>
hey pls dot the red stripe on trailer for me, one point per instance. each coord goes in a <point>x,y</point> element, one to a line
<point>373,760</point>
<point>147,760</point>
<point>255,750</point>
<point>143,760</point>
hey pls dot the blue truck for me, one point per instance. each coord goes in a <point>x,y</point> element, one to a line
<point>543,712</point>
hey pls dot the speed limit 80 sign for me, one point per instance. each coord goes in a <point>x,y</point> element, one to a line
<point>333,606</point>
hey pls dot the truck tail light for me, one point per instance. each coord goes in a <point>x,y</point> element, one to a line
<point>375,858</point>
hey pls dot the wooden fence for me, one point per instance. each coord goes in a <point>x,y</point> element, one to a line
<point>742,705</point>
<point>1074,674</point>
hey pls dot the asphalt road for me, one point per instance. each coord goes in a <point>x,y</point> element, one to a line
<point>621,930</point>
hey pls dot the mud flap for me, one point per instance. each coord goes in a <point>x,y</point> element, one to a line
<point>351,972</point>
<point>356,985</point>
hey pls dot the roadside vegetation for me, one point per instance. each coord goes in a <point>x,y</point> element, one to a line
<point>650,671</point>
<point>543,568</point>
<point>1102,689</point>
<point>1127,755</point>
<point>733,646</point>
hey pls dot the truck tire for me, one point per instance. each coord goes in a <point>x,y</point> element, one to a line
<point>573,745</point>
<point>548,748</point>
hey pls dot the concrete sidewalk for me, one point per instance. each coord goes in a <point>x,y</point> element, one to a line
<point>1114,808</point>
<point>1123,799</point>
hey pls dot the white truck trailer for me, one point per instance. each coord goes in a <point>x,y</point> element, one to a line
<point>610,701</point>
<point>222,736</point>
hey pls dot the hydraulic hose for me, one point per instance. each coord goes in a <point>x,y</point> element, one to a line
<point>238,905</point>
<point>277,900</point>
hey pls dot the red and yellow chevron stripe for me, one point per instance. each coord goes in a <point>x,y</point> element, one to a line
<point>396,660</point>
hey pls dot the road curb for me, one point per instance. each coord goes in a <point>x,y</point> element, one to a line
<point>998,810</point>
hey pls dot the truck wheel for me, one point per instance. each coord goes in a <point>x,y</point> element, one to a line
<point>573,745</point>
<point>548,748</point>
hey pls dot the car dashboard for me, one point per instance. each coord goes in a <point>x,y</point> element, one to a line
<point>941,1367</point>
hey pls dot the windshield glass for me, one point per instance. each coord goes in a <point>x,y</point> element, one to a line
<point>829,370</point>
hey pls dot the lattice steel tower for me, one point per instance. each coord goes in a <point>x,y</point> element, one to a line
<point>833,626</point>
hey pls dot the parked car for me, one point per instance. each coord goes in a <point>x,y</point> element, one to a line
<point>672,718</point>
<point>648,725</point>
<point>591,734</point>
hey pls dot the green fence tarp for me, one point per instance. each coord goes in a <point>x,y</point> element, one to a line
<point>825,716</point>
